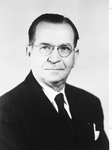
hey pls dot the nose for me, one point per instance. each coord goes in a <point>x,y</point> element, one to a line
<point>54,57</point>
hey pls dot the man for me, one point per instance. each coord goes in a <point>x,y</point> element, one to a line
<point>31,117</point>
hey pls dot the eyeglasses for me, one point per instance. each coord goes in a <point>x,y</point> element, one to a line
<point>45,49</point>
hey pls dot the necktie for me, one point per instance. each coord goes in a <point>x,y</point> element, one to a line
<point>63,113</point>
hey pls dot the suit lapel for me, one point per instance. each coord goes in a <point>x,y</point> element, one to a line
<point>43,115</point>
<point>83,125</point>
<point>40,109</point>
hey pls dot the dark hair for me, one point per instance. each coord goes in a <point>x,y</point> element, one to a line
<point>52,18</point>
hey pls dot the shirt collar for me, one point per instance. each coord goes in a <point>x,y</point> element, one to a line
<point>51,93</point>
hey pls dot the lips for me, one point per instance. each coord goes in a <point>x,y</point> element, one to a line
<point>54,69</point>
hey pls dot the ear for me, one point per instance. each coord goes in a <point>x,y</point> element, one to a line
<point>28,50</point>
<point>76,53</point>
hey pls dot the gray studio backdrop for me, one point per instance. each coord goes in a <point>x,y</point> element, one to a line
<point>91,19</point>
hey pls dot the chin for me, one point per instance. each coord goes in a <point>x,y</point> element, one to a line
<point>55,80</point>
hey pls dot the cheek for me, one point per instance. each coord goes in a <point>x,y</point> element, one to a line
<point>69,63</point>
<point>37,62</point>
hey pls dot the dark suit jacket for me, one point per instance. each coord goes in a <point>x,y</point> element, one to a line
<point>28,120</point>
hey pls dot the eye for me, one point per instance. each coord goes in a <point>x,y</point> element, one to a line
<point>45,47</point>
<point>65,48</point>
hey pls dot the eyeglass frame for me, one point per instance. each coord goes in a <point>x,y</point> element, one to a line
<point>53,47</point>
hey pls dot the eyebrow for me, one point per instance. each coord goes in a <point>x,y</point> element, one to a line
<point>43,43</point>
<point>63,44</point>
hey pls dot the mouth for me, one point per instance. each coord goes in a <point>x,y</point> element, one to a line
<point>53,69</point>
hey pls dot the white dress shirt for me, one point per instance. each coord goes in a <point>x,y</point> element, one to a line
<point>51,94</point>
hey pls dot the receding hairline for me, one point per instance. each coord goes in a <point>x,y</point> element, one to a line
<point>57,23</point>
<point>51,19</point>
<point>48,22</point>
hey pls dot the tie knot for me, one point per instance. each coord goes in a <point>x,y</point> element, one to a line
<point>59,99</point>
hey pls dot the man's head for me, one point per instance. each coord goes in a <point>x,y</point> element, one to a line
<point>52,48</point>
<point>51,18</point>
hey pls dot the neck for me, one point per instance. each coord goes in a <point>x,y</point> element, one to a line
<point>57,86</point>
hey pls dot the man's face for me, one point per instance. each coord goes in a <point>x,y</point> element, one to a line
<point>52,68</point>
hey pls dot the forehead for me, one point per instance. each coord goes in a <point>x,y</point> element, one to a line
<point>54,33</point>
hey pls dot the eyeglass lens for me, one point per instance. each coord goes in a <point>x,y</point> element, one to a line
<point>63,50</point>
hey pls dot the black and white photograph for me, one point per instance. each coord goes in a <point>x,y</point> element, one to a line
<point>54,75</point>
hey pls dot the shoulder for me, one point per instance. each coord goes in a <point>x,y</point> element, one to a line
<point>86,104</point>
<point>81,94</point>
<point>78,90</point>
<point>17,93</point>
<point>13,95</point>
<point>21,94</point>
